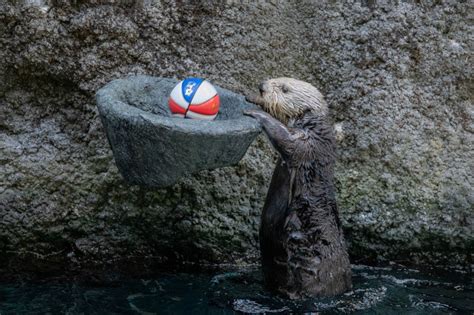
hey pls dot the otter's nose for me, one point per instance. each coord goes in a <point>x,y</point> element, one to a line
<point>260,88</point>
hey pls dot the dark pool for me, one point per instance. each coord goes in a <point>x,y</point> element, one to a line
<point>376,291</point>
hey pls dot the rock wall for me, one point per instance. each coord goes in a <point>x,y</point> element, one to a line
<point>397,76</point>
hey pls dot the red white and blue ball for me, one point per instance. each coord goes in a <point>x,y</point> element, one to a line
<point>194,98</point>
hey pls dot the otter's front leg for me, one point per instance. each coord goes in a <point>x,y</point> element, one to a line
<point>254,99</point>
<point>281,137</point>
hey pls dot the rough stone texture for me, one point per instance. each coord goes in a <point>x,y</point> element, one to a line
<point>153,149</point>
<point>398,78</point>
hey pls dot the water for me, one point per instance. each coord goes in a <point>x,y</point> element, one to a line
<point>376,291</point>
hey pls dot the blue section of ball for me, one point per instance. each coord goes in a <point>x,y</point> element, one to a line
<point>189,88</point>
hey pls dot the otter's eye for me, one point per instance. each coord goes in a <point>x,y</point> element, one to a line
<point>285,89</point>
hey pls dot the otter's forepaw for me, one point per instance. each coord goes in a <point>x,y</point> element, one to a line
<point>253,98</point>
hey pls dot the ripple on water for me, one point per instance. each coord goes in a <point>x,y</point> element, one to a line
<point>251,307</point>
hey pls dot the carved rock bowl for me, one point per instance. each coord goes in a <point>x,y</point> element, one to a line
<point>154,149</point>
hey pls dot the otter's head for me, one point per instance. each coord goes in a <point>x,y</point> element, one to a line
<point>287,98</point>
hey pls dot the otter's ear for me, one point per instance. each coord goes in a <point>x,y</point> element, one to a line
<point>285,88</point>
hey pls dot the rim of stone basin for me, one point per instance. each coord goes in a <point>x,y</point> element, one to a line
<point>114,96</point>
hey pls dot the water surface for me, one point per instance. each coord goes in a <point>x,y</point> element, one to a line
<point>376,291</point>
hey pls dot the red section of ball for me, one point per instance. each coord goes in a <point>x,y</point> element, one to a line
<point>175,108</point>
<point>210,107</point>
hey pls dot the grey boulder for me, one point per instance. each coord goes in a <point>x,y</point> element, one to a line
<point>154,149</point>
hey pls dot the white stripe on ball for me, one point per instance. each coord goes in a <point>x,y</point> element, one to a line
<point>178,97</point>
<point>205,92</point>
<point>194,115</point>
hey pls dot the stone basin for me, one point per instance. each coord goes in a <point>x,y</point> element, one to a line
<point>154,149</point>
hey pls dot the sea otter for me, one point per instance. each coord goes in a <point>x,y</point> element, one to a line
<point>301,240</point>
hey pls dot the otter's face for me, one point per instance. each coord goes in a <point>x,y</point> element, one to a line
<point>287,98</point>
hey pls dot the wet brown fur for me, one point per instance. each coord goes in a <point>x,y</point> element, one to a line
<point>302,244</point>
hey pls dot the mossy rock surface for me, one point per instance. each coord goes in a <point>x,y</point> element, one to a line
<point>397,76</point>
